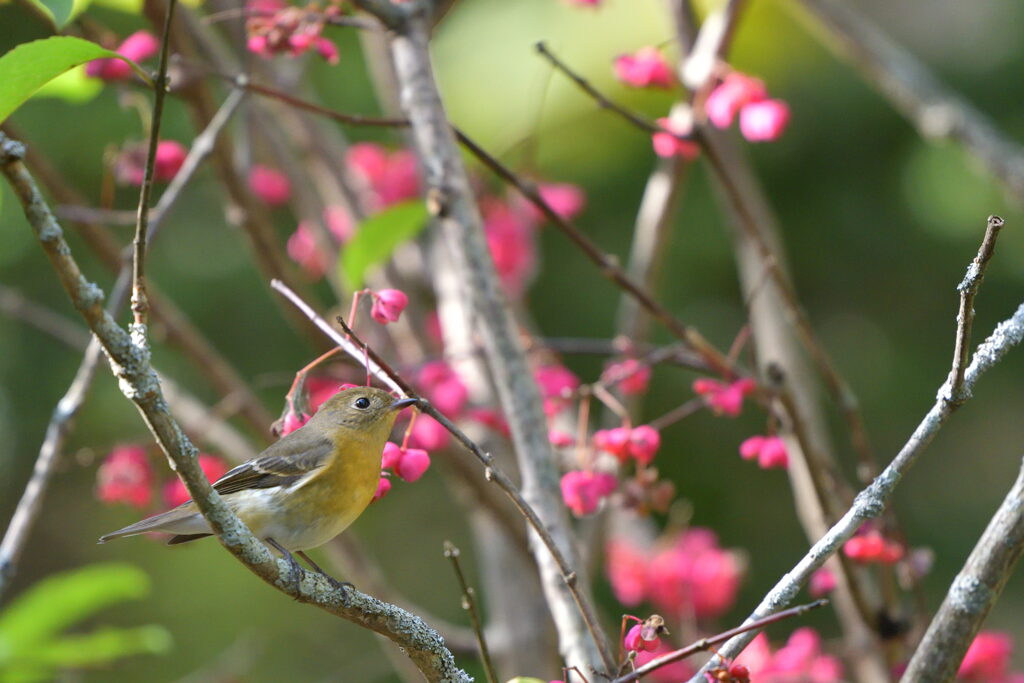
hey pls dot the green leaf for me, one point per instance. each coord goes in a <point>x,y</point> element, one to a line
<point>377,237</point>
<point>29,66</point>
<point>102,646</point>
<point>59,601</point>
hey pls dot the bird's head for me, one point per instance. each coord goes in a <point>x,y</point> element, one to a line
<point>361,409</point>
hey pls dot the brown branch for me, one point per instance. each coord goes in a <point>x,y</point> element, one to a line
<point>972,594</point>
<point>705,644</point>
<point>968,289</point>
<point>130,363</point>
<point>380,369</point>
<point>140,304</point>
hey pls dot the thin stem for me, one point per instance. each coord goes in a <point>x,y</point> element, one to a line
<point>469,604</point>
<point>708,643</point>
<point>140,304</point>
<point>968,289</point>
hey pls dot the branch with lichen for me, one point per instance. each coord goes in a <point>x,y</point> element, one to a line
<point>129,362</point>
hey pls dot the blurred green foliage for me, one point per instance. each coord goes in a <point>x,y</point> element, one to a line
<point>878,226</point>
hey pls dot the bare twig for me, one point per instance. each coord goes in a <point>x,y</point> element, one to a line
<point>469,604</point>
<point>140,304</point>
<point>130,362</point>
<point>30,504</point>
<point>972,594</point>
<point>708,643</point>
<point>872,500</point>
<point>968,289</point>
<point>383,372</point>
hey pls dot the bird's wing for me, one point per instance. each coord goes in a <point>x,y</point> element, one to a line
<point>283,464</point>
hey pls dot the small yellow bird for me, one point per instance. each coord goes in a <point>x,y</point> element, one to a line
<point>305,489</point>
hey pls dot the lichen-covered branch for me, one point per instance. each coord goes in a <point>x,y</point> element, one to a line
<point>138,381</point>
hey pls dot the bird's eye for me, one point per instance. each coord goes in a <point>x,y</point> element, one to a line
<point>362,403</point>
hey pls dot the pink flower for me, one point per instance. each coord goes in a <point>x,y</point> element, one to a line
<point>583,491</point>
<point>388,304</point>
<point>443,387</point>
<point>429,434</point>
<point>694,575</point>
<point>175,492</point>
<point>391,456</point>
<point>560,439</point>
<point>413,463</point>
<point>383,486</point>
<point>722,398</point>
<point>667,145</point>
<point>302,248</point>
<point>327,50</point>
<point>391,177</point>
<point>565,199</point>
<point>764,121</point>
<point>614,441</point>
<point>630,375</point>
<point>635,641</point>
<point>137,47</point>
<point>988,658</point>
<point>770,451</point>
<point>731,95</point>
<point>510,239</point>
<point>645,68</point>
<point>822,582</point>
<point>626,568</point>
<point>644,442</point>
<point>872,546</point>
<point>170,155</point>
<point>270,185</point>
<point>554,382</point>
<point>125,477</point>
<point>800,659</point>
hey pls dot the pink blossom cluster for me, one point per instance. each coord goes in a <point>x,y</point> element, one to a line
<point>137,47</point>
<point>645,68</point>
<point>988,660</point>
<point>629,375</point>
<point>130,165</point>
<point>768,451</point>
<point>689,574</point>
<point>583,490</point>
<point>724,398</point>
<point>126,476</point>
<point>275,28</point>
<point>389,177</point>
<point>871,545</point>
<point>761,119</point>
<point>800,659</point>
<point>639,443</point>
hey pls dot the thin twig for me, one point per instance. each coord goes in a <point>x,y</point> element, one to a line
<point>972,594</point>
<point>968,289</point>
<point>872,500</point>
<point>30,505</point>
<point>380,369</point>
<point>130,363</point>
<point>708,643</point>
<point>469,604</point>
<point>140,304</point>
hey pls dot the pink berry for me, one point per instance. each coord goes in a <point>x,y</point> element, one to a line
<point>764,121</point>
<point>388,304</point>
<point>413,463</point>
<point>391,456</point>
<point>125,477</point>
<point>645,68</point>
<point>383,486</point>
<point>270,185</point>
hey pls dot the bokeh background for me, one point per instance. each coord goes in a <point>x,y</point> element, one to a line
<point>878,225</point>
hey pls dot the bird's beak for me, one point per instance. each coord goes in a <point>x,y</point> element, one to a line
<point>403,402</point>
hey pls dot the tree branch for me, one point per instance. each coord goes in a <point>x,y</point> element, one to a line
<point>130,363</point>
<point>972,594</point>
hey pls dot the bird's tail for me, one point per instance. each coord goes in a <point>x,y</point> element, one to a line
<point>182,519</point>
